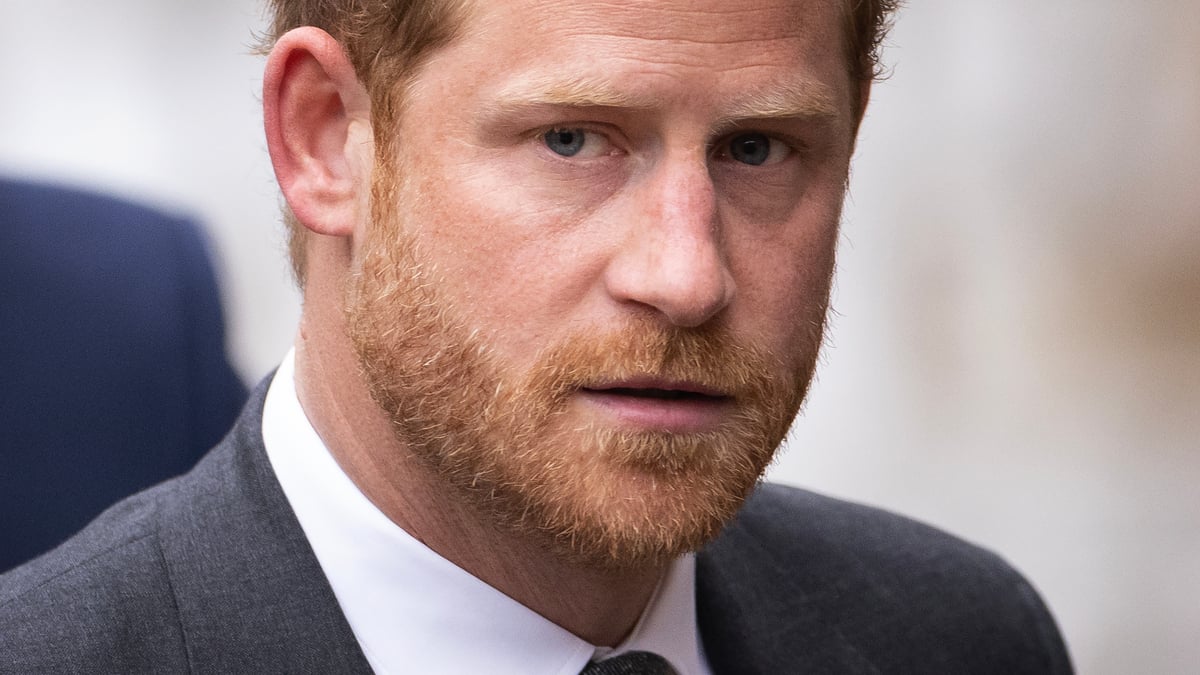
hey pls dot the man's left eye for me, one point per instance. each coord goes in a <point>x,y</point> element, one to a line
<point>756,149</point>
<point>575,142</point>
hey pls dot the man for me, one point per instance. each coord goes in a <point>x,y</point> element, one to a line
<point>565,269</point>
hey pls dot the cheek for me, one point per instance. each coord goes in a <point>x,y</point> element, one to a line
<point>784,276</point>
<point>520,190</point>
<point>511,258</point>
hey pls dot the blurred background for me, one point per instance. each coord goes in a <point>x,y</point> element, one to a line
<point>1015,354</point>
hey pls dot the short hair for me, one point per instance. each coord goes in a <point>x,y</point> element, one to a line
<point>386,40</point>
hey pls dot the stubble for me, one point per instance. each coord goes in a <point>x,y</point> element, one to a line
<point>516,447</point>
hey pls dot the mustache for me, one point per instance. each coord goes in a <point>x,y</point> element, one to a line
<point>644,349</point>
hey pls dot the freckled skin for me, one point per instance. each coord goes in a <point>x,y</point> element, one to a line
<point>532,243</point>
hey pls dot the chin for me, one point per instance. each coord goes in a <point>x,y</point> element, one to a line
<point>623,500</point>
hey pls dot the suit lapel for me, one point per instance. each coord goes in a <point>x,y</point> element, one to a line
<point>762,614</point>
<point>251,594</point>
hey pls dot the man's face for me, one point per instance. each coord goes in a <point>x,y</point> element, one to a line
<point>593,288</point>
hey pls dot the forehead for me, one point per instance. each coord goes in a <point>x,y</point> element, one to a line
<point>657,52</point>
<point>748,22</point>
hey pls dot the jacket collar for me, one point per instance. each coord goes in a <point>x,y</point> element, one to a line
<point>761,607</point>
<point>242,569</point>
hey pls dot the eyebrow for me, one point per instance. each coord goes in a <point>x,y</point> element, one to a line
<point>568,93</point>
<point>798,99</point>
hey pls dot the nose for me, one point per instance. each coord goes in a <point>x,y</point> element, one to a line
<point>673,259</point>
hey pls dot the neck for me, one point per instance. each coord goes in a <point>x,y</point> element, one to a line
<point>599,605</point>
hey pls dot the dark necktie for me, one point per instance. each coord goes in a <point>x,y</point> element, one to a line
<point>630,663</point>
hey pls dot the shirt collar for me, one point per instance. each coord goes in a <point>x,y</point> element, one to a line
<point>414,611</point>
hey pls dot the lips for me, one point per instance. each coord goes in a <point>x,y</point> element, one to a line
<point>661,405</point>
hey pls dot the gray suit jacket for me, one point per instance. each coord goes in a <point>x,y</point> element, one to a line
<point>211,573</point>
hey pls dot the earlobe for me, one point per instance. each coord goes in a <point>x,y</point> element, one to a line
<point>313,104</point>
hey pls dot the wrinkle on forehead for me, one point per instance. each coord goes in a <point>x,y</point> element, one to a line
<point>734,41</point>
<point>686,21</point>
<point>745,27</point>
<point>748,25</point>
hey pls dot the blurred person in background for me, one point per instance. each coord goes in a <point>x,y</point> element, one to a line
<point>113,372</point>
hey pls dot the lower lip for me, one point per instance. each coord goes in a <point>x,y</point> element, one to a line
<point>686,415</point>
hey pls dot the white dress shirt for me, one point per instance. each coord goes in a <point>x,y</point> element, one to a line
<point>412,610</point>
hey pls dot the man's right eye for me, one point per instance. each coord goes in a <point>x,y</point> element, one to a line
<point>565,142</point>
<point>577,142</point>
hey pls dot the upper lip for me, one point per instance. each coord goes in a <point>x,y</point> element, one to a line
<point>656,383</point>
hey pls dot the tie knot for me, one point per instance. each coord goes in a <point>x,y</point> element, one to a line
<point>630,663</point>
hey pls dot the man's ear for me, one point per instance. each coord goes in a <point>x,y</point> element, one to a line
<point>312,104</point>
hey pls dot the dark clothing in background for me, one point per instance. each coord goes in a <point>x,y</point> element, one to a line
<point>113,371</point>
